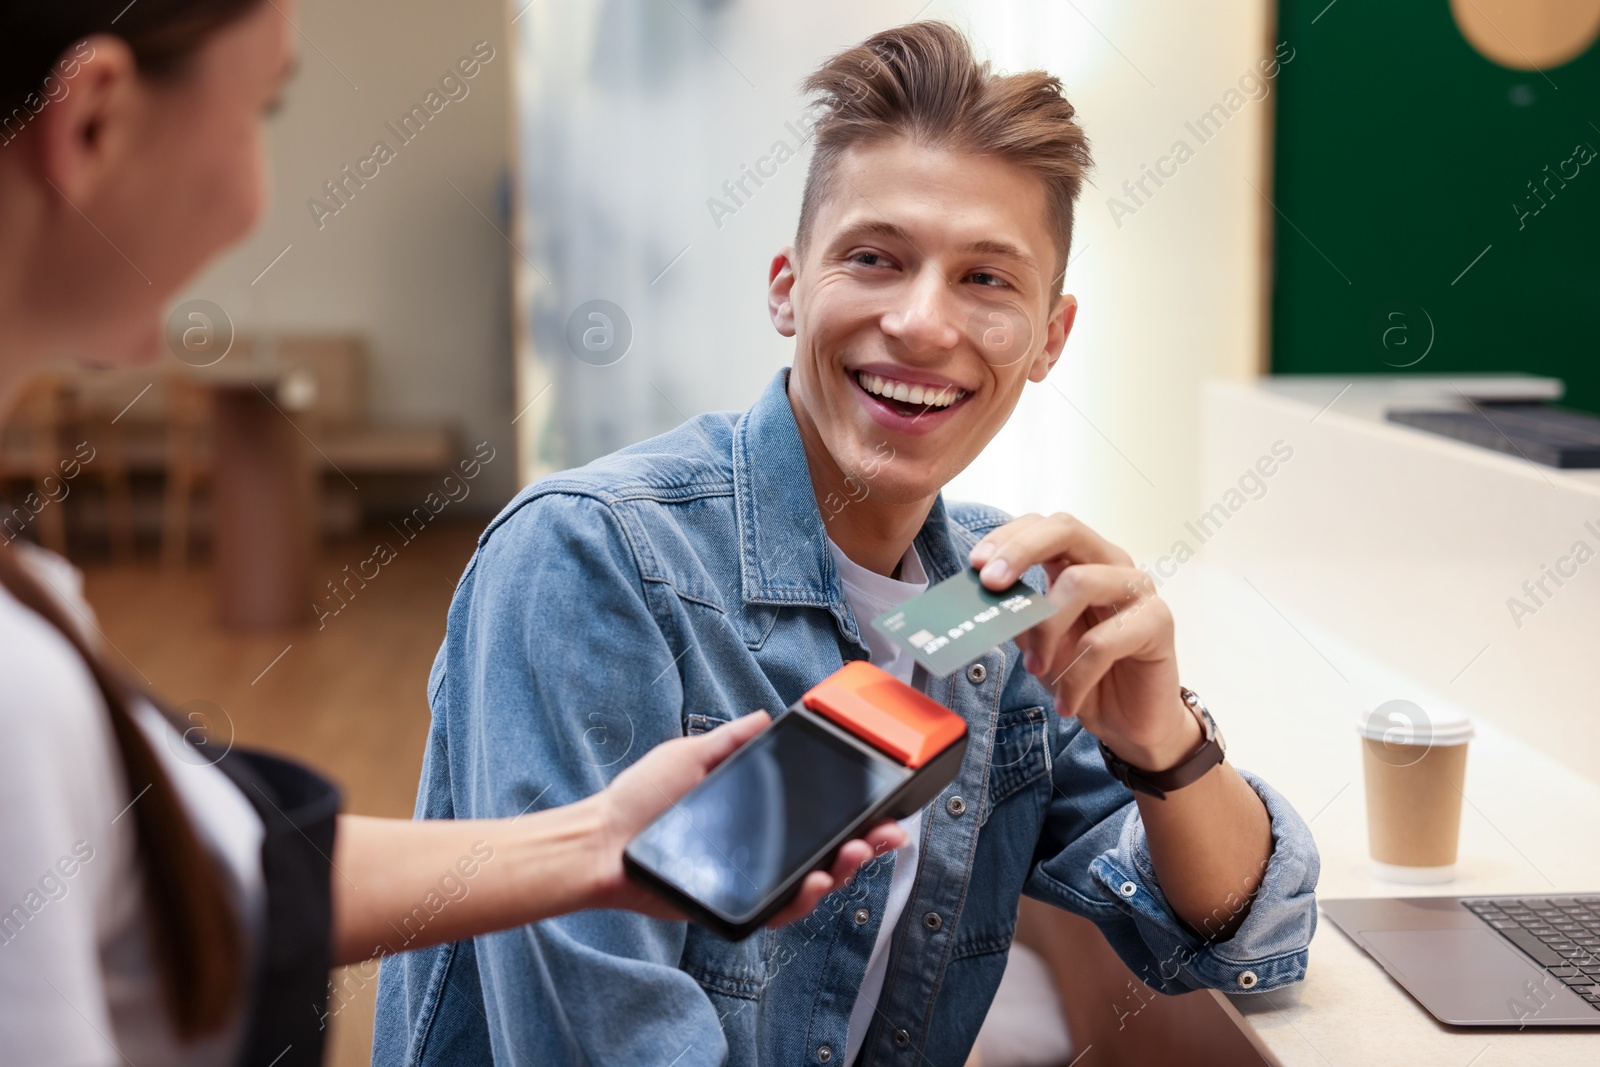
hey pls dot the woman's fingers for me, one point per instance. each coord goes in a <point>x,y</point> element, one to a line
<point>886,837</point>
<point>668,771</point>
<point>726,739</point>
<point>672,768</point>
<point>816,885</point>
<point>852,856</point>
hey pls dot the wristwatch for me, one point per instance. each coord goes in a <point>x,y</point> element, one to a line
<point>1159,783</point>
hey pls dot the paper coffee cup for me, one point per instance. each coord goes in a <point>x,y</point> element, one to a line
<point>1415,766</point>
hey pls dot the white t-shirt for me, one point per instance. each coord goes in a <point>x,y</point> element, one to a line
<point>78,982</point>
<point>870,595</point>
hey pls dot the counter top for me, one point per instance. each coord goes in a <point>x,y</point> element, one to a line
<point>1287,694</point>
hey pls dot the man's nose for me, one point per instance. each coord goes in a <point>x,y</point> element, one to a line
<point>925,316</point>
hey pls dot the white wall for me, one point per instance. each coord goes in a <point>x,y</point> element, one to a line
<point>1170,296</point>
<point>632,116</point>
<point>408,263</point>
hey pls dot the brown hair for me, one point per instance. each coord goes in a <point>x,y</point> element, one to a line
<point>196,938</point>
<point>920,81</point>
<point>161,33</point>
<point>197,942</point>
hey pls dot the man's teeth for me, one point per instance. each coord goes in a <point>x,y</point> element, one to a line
<point>941,397</point>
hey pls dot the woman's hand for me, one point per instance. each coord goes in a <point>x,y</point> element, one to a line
<point>475,876</point>
<point>663,775</point>
<point>1107,655</point>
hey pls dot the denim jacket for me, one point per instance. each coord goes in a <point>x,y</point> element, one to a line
<point>675,585</point>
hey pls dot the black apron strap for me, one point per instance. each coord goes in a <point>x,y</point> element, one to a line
<point>298,810</point>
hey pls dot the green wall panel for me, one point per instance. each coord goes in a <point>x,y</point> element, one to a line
<point>1436,212</point>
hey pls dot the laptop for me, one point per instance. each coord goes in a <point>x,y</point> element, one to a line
<point>1485,961</point>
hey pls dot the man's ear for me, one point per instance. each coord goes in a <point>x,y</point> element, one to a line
<point>1055,338</point>
<point>81,136</point>
<point>780,291</point>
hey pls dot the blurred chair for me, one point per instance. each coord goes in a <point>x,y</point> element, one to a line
<point>188,462</point>
<point>31,450</point>
<point>43,442</point>
<point>333,367</point>
<point>337,371</point>
<point>95,424</point>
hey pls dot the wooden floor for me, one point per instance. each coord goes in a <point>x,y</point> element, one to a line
<point>348,697</point>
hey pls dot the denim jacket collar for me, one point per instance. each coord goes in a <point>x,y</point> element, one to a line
<point>777,511</point>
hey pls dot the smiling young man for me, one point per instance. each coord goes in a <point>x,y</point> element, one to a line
<point>733,563</point>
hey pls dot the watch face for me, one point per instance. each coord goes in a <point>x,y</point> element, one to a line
<point>1208,725</point>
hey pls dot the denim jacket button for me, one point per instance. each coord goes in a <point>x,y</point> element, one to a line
<point>977,673</point>
<point>1248,980</point>
<point>862,915</point>
<point>932,921</point>
<point>902,1038</point>
<point>1127,889</point>
<point>824,1054</point>
<point>956,806</point>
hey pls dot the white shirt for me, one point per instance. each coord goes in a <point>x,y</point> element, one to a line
<point>871,594</point>
<point>78,983</point>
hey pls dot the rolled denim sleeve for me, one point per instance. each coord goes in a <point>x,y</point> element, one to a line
<point>1095,862</point>
<point>554,678</point>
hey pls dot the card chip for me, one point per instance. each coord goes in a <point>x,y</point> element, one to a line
<point>921,637</point>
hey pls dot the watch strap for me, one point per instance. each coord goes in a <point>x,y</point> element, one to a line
<point>1159,783</point>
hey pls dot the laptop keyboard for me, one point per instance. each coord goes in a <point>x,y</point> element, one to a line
<point>1561,934</point>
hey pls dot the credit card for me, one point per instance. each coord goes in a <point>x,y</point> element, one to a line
<point>959,620</point>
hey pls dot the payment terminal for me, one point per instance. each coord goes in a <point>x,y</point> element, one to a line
<point>857,748</point>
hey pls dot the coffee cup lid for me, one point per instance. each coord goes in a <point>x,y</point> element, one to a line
<point>1399,721</point>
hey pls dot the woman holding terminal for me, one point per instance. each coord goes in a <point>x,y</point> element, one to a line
<point>161,908</point>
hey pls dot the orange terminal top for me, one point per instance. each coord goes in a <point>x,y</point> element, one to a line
<point>885,712</point>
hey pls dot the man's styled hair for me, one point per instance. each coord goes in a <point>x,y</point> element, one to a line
<point>920,81</point>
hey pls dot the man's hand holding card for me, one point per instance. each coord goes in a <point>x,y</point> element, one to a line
<point>1100,639</point>
<point>1107,654</point>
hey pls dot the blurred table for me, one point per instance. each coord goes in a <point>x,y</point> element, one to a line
<point>264,492</point>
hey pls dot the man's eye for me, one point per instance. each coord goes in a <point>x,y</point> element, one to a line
<point>868,259</point>
<point>991,280</point>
